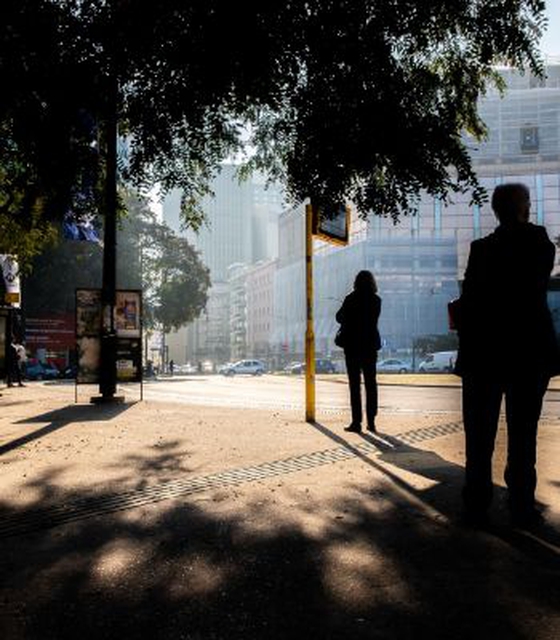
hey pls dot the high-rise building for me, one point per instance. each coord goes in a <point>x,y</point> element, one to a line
<point>240,227</point>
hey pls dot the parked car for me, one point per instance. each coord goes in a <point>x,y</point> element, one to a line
<point>295,368</point>
<point>222,368</point>
<point>288,368</point>
<point>185,369</point>
<point>439,362</point>
<point>41,371</point>
<point>245,367</point>
<point>322,365</point>
<point>393,365</point>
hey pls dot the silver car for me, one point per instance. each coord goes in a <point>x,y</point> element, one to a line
<point>245,367</point>
<point>393,365</point>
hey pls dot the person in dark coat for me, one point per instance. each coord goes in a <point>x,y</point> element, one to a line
<point>507,347</point>
<point>359,337</point>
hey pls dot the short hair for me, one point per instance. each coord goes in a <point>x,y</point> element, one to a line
<point>365,282</point>
<point>505,200</point>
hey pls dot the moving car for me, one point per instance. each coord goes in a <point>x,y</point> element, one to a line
<point>393,365</point>
<point>41,371</point>
<point>439,362</point>
<point>245,367</point>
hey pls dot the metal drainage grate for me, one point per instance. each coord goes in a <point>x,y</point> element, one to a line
<point>46,518</point>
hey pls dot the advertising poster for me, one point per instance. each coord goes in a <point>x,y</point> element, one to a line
<point>129,360</point>
<point>88,312</point>
<point>89,358</point>
<point>128,314</point>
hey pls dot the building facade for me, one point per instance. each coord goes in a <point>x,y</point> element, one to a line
<point>208,337</point>
<point>260,308</point>
<point>237,281</point>
<point>416,278</point>
<point>523,145</point>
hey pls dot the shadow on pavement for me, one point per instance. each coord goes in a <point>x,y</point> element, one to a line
<point>365,563</point>
<point>62,418</point>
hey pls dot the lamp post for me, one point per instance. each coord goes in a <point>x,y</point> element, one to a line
<point>108,365</point>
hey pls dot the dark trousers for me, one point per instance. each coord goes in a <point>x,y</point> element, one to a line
<point>356,365</point>
<point>482,397</point>
<point>14,371</point>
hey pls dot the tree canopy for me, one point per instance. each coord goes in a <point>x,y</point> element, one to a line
<point>174,280</point>
<point>353,100</point>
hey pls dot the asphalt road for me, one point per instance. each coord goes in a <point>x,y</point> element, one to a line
<point>282,392</point>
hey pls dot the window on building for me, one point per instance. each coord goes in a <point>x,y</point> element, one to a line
<point>529,139</point>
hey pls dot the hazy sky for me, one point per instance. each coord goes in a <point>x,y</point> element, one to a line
<point>551,40</point>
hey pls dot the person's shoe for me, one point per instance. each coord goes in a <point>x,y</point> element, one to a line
<point>372,428</point>
<point>354,428</point>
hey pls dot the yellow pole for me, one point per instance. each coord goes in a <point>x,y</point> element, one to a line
<point>309,333</point>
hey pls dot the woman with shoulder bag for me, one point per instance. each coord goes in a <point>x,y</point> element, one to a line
<point>359,337</point>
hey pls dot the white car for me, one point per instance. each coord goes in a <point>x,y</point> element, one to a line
<point>245,367</point>
<point>393,365</point>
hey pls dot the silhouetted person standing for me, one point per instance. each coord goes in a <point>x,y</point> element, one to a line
<point>359,337</point>
<point>507,347</point>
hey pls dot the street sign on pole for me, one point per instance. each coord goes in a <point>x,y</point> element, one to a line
<point>309,331</point>
<point>332,224</point>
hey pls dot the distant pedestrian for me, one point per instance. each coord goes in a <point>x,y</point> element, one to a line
<point>359,337</point>
<point>17,358</point>
<point>171,367</point>
<point>150,369</point>
<point>507,347</point>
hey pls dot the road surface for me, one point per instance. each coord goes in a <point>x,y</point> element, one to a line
<point>282,392</point>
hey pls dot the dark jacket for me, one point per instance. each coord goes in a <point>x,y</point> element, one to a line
<point>358,317</point>
<point>504,322</point>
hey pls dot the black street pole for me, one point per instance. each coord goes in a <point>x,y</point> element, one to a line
<point>108,372</point>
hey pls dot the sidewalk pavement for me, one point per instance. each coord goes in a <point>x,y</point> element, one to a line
<point>159,520</point>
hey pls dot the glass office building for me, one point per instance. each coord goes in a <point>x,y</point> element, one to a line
<point>420,262</point>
